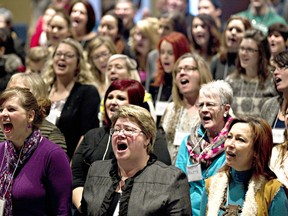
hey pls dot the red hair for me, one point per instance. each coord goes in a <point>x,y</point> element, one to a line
<point>135,91</point>
<point>180,46</point>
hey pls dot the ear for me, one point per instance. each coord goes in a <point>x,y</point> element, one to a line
<point>218,12</point>
<point>146,142</point>
<point>227,107</point>
<point>31,116</point>
<point>2,51</point>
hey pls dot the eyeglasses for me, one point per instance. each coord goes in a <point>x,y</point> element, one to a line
<point>127,131</point>
<point>66,55</point>
<point>273,69</point>
<point>186,69</point>
<point>102,54</point>
<point>209,105</point>
<point>248,50</point>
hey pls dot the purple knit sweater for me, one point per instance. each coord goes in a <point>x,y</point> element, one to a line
<point>43,186</point>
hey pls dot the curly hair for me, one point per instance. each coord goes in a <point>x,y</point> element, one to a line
<point>83,73</point>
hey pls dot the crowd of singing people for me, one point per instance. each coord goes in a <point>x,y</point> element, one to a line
<point>167,114</point>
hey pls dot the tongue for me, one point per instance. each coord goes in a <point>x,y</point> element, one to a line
<point>7,128</point>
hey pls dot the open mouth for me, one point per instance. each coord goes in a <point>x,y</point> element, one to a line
<point>113,79</point>
<point>7,127</point>
<point>61,66</point>
<point>184,81</point>
<point>230,154</point>
<point>75,22</point>
<point>122,147</point>
<point>277,80</point>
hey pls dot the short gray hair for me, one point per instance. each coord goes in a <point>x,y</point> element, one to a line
<point>218,88</point>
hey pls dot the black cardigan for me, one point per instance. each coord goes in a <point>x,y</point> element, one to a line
<point>79,114</point>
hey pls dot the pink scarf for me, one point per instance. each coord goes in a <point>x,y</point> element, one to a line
<point>202,151</point>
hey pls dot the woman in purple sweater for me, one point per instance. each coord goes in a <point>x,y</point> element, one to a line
<point>35,177</point>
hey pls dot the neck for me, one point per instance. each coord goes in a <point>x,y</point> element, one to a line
<point>261,10</point>
<point>128,169</point>
<point>190,99</point>
<point>251,72</point>
<point>64,84</point>
<point>213,132</point>
<point>20,142</point>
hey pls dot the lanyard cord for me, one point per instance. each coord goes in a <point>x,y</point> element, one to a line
<point>13,172</point>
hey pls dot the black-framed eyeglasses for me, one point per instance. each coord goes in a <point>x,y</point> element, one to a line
<point>273,69</point>
<point>248,50</point>
<point>186,69</point>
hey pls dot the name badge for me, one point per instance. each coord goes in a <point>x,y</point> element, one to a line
<point>160,107</point>
<point>179,136</point>
<point>194,172</point>
<point>2,206</point>
<point>278,135</point>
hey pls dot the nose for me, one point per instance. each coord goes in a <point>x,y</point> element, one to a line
<point>4,113</point>
<point>204,108</point>
<point>233,31</point>
<point>54,30</point>
<point>229,144</point>
<point>160,30</point>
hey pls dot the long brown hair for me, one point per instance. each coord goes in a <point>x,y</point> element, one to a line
<point>263,144</point>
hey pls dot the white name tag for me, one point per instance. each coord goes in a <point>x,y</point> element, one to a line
<point>160,107</point>
<point>278,135</point>
<point>194,172</point>
<point>2,206</point>
<point>179,136</point>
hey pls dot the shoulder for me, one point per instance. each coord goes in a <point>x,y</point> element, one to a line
<point>50,151</point>
<point>160,172</point>
<point>100,166</point>
<point>84,87</point>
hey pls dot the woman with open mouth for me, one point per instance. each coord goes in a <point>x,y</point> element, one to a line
<point>32,166</point>
<point>223,63</point>
<point>72,91</point>
<point>134,182</point>
<point>251,81</point>
<point>277,38</point>
<point>83,20</point>
<point>189,73</point>
<point>245,185</point>
<point>99,50</point>
<point>96,144</point>
<point>202,152</point>
<point>170,48</point>
<point>273,110</point>
<point>204,36</point>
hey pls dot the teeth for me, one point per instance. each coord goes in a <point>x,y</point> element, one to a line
<point>184,81</point>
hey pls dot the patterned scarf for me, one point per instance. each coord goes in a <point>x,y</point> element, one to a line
<point>202,151</point>
<point>9,163</point>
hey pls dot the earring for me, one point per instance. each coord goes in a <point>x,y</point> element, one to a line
<point>29,125</point>
<point>225,115</point>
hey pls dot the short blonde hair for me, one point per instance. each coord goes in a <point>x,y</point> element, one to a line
<point>142,117</point>
<point>131,65</point>
<point>149,27</point>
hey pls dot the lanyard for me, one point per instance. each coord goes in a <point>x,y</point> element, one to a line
<point>160,93</point>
